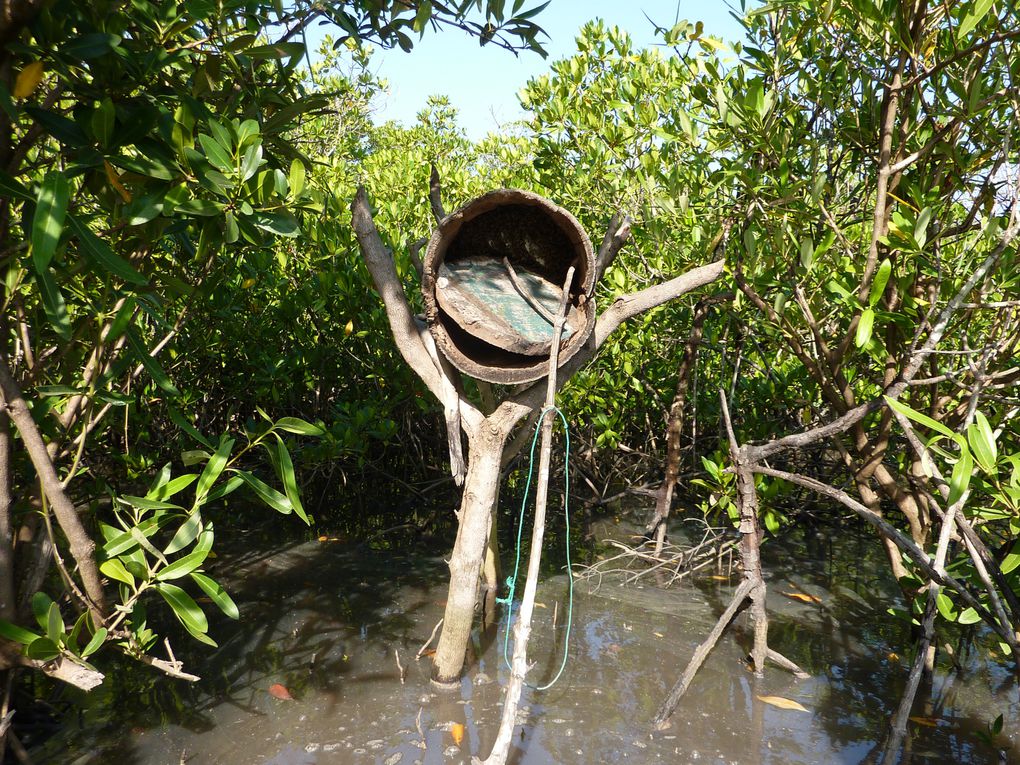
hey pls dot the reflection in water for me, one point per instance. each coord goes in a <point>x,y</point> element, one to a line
<point>324,622</point>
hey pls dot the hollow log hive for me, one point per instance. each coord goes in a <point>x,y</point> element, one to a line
<point>493,273</point>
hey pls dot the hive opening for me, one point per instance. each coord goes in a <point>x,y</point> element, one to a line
<point>494,274</point>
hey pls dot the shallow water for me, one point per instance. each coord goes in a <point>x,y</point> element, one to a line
<point>324,620</point>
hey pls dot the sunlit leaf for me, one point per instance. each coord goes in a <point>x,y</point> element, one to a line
<point>968,616</point>
<point>879,283</point>
<point>298,426</point>
<point>864,326</point>
<point>95,643</point>
<point>185,534</point>
<point>981,439</point>
<point>16,634</point>
<point>945,606</point>
<point>973,17</point>
<point>183,566</point>
<point>285,469</point>
<point>217,594</point>
<point>115,569</point>
<point>213,468</point>
<point>917,417</point>
<point>184,607</point>
<point>28,80</point>
<point>962,471</point>
<point>42,649</point>
<point>267,493</point>
<point>48,221</point>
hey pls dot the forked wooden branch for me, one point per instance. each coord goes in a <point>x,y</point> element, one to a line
<point>411,346</point>
<point>398,310</point>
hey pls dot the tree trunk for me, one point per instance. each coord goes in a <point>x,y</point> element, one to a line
<point>83,547</point>
<point>664,500</point>
<point>490,567</point>
<point>750,557</point>
<point>7,603</point>
<point>480,490</point>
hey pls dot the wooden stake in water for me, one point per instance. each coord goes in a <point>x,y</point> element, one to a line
<point>522,629</point>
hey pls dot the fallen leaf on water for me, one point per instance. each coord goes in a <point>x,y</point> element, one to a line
<point>658,634</point>
<point>894,657</point>
<point>719,578</point>
<point>926,721</point>
<point>457,730</point>
<point>540,605</point>
<point>278,691</point>
<point>803,597</point>
<point>779,701</point>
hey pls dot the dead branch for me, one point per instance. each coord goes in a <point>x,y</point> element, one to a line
<point>737,603</point>
<point>903,542</point>
<point>427,643</point>
<point>617,234</point>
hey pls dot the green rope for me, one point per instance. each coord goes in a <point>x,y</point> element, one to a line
<point>511,581</point>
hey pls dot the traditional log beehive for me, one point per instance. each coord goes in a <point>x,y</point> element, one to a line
<point>493,278</point>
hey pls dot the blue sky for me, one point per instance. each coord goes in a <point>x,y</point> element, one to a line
<point>482,83</point>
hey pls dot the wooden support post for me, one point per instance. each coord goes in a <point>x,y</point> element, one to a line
<point>522,629</point>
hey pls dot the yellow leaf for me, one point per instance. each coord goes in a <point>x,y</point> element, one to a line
<point>779,701</point>
<point>926,721</point>
<point>894,657</point>
<point>457,729</point>
<point>658,634</point>
<point>114,179</point>
<point>540,605</point>
<point>323,538</point>
<point>804,598</point>
<point>719,578</point>
<point>248,283</point>
<point>349,328</point>
<point>28,79</point>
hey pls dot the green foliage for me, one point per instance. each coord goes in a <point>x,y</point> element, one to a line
<point>174,250</point>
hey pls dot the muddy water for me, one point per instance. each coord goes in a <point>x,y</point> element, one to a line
<point>324,622</point>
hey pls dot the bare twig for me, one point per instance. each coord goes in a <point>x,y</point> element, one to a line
<point>401,672</point>
<point>427,643</point>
